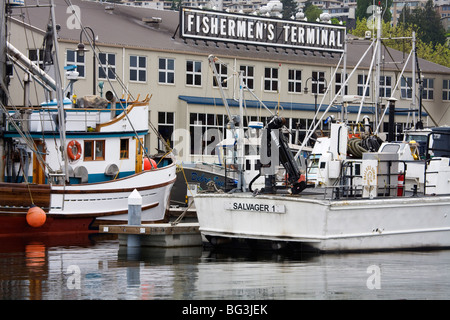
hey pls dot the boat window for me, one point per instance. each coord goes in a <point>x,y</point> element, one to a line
<point>100,150</point>
<point>124,148</point>
<point>391,148</point>
<point>94,150</point>
<point>417,138</point>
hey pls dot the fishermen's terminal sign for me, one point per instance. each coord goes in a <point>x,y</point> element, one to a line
<point>260,31</point>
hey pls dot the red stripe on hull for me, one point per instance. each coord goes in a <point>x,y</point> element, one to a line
<point>14,225</point>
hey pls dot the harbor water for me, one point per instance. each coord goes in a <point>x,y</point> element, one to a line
<point>96,267</point>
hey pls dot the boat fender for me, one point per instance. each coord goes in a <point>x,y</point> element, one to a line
<point>74,150</point>
<point>36,217</point>
<point>149,164</point>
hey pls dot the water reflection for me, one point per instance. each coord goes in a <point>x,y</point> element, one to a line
<point>96,267</point>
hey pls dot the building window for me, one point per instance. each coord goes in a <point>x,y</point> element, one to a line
<point>74,59</point>
<point>249,74</point>
<point>193,73</point>
<point>339,80</point>
<point>107,64</point>
<point>138,68</point>
<point>36,56</point>
<point>271,79</point>
<point>362,79</point>
<point>318,82</point>
<point>94,150</point>
<point>298,128</point>
<point>385,86</point>
<point>222,70</point>
<point>446,90</point>
<point>428,89</point>
<point>206,132</point>
<point>166,71</point>
<point>406,88</point>
<point>124,148</point>
<point>294,81</point>
<point>166,124</point>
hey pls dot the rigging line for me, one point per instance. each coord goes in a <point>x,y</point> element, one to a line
<point>393,91</point>
<point>27,40</point>
<point>310,133</point>
<point>329,86</point>
<point>14,107</point>
<point>29,143</point>
<point>409,86</point>
<point>69,3</point>
<point>97,57</point>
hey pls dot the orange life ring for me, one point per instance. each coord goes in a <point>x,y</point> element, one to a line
<point>74,150</point>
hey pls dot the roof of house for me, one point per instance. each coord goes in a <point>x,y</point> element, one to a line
<point>125,26</point>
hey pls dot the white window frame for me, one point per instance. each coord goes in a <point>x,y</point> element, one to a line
<point>166,123</point>
<point>361,85</point>
<point>385,89</point>
<point>213,122</point>
<point>294,82</point>
<point>271,80</point>
<point>40,55</point>
<point>222,70</point>
<point>166,71</point>
<point>428,89</point>
<point>138,68</point>
<point>339,80</point>
<point>107,66</point>
<point>318,82</point>
<point>446,89</point>
<point>195,73</point>
<point>77,63</point>
<point>249,80</point>
<point>406,88</point>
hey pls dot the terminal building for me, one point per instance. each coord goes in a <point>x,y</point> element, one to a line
<point>146,51</point>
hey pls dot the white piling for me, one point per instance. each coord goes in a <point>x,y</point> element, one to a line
<point>134,217</point>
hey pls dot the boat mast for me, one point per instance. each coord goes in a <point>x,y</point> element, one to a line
<point>413,64</point>
<point>3,98</point>
<point>378,65</point>
<point>344,117</point>
<point>239,135</point>
<point>240,145</point>
<point>59,95</point>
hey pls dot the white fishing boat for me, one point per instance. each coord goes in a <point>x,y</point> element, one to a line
<point>365,213</point>
<point>70,162</point>
<point>388,198</point>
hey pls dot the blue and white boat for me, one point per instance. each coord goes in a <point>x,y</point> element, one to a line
<point>78,160</point>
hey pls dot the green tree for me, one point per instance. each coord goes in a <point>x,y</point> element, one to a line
<point>364,9</point>
<point>175,5</point>
<point>426,22</point>
<point>289,8</point>
<point>439,53</point>
<point>312,12</point>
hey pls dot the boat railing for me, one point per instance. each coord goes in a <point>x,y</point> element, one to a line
<point>390,182</point>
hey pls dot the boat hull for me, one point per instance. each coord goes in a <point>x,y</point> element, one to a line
<point>325,225</point>
<point>77,208</point>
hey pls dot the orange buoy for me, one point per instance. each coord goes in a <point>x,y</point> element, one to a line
<point>36,217</point>
<point>149,164</point>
